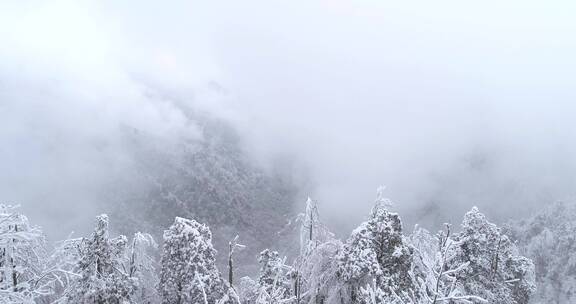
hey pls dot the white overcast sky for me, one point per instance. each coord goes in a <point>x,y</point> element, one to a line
<point>399,93</point>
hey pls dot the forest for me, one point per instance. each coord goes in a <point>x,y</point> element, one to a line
<point>475,262</point>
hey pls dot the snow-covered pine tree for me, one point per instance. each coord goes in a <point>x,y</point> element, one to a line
<point>22,255</point>
<point>102,278</point>
<point>495,271</point>
<point>189,273</point>
<point>376,250</point>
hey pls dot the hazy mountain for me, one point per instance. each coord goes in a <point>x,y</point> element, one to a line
<point>210,179</point>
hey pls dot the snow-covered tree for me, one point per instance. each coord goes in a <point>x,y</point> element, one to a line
<point>494,269</point>
<point>22,255</point>
<point>312,274</point>
<point>61,266</point>
<point>273,284</point>
<point>102,278</point>
<point>248,290</point>
<point>314,277</point>
<point>376,250</point>
<point>318,280</point>
<point>312,231</point>
<point>434,255</point>
<point>373,294</point>
<point>189,273</point>
<point>142,266</point>
<point>274,278</point>
<point>382,202</point>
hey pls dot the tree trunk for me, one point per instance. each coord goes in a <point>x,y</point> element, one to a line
<point>230,269</point>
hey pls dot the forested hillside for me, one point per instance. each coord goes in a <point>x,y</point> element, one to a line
<point>210,179</point>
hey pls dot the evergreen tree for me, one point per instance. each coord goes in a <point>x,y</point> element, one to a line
<point>377,251</point>
<point>373,294</point>
<point>189,273</point>
<point>495,271</point>
<point>102,278</point>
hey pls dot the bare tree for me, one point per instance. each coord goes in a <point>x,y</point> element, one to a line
<point>232,245</point>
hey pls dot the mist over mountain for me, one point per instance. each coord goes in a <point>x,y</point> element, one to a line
<point>140,137</point>
<point>213,180</point>
<point>356,94</point>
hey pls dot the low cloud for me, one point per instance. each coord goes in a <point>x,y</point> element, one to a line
<point>449,105</point>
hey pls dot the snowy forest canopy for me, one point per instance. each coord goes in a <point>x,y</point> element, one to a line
<point>531,261</point>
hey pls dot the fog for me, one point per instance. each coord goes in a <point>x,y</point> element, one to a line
<point>449,104</point>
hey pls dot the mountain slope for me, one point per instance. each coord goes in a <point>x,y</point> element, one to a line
<point>210,179</point>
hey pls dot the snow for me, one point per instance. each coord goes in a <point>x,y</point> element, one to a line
<point>376,264</point>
